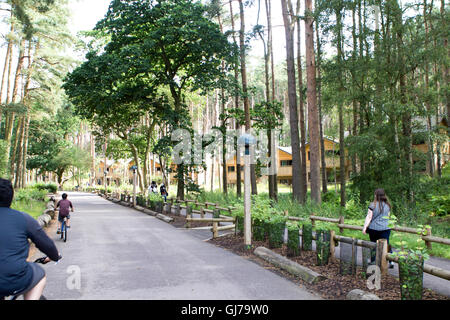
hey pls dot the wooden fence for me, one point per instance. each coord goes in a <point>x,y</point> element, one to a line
<point>428,238</point>
<point>381,246</point>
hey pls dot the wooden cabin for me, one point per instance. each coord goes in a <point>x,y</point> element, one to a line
<point>115,174</point>
<point>284,163</point>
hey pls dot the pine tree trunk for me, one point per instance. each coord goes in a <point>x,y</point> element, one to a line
<point>342,173</point>
<point>303,171</point>
<point>245,89</point>
<point>289,24</point>
<point>236,105</point>
<point>313,114</point>
<point>18,152</point>
<point>272,98</point>
<point>13,160</point>
<point>319,103</point>
<point>25,152</point>
<point>354,85</point>
<point>6,65</point>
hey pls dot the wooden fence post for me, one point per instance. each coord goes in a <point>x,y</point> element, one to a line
<point>202,213</point>
<point>215,231</point>
<point>332,245</point>
<point>428,243</point>
<point>313,222</point>
<point>341,221</point>
<point>381,258</point>
<point>188,216</point>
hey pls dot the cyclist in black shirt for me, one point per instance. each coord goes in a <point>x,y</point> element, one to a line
<point>17,276</point>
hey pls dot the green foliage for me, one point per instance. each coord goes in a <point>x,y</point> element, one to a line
<point>35,208</point>
<point>3,164</point>
<point>433,199</point>
<point>411,275</point>
<point>30,194</point>
<point>267,115</point>
<point>259,229</point>
<point>50,151</point>
<point>322,246</point>
<point>293,240</point>
<point>307,236</point>
<point>276,232</point>
<point>50,187</point>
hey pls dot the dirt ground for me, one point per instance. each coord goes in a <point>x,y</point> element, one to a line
<point>335,287</point>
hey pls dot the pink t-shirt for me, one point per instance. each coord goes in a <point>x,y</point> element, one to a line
<point>64,206</point>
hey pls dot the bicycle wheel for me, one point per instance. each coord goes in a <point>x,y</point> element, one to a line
<point>65,233</point>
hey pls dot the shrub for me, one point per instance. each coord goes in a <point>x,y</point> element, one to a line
<point>293,240</point>
<point>50,187</point>
<point>30,194</point>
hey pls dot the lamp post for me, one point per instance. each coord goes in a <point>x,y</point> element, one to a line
<point>104,181</point>
<point>134,168</point>
<point>247,140</point>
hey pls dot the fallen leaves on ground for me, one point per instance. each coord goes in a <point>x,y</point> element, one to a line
<point>335,286</point>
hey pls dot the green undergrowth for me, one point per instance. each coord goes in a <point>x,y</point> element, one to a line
<point>354,214</point>
<point>34,208</point>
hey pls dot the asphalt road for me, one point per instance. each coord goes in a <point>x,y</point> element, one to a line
<point>114,252</point>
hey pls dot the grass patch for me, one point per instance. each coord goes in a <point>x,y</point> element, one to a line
<point>32,207</point>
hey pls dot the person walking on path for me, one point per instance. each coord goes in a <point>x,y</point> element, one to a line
<point>163,191</point>
<point>154,187</point>
<point>64,206</point>
<point>17,276</point>
<point>377,219</point>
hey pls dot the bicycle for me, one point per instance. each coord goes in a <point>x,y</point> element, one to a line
<point>15,297</point>
<point>64,230</point>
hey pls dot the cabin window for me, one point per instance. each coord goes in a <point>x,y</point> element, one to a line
<point>231,169</point>
<point>331,153</point>
<point>286,163</point>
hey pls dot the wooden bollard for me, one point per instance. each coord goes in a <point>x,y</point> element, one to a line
<point>332,245</point>
<point>215,231</point>
<point>341,221</point>
<point>428,243</point>
<point>381,258</point>
<point>202,213</point>
<point>188,216</point>
<point>313,222</point>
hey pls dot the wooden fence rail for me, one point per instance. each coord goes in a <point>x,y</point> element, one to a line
<point>340,223</point>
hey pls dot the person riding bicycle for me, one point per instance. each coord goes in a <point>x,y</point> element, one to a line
<point>17,276</point>
<point>64,205</point>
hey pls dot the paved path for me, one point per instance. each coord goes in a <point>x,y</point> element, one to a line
<point>122,253</point>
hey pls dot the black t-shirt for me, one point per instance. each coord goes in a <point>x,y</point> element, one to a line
<point>15,230</point>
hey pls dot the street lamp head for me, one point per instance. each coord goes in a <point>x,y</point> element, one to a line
<point>247,140</point>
